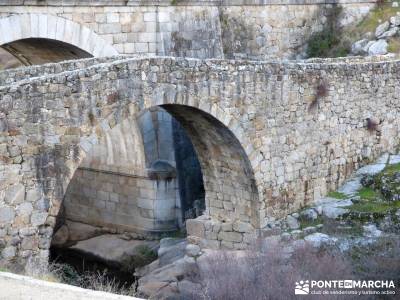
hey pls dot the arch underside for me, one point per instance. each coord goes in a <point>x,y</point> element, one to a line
<point>27,35</point>
<point>231,193</point>
<point>36,51</point>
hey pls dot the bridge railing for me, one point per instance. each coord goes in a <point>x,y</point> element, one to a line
<point>14,75</point>
<point>174,2</point>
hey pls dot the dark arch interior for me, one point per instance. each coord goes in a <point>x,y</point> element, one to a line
<point>229,182</point>
<point>36,51</point>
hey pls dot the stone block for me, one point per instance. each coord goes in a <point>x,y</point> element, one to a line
<point>38,218</point>
<point>210,244</point>
<point>227,245</point>
<point>7,214</point>
<point>29,243</point>
<point>112,18</point>
<point>15,194</point>
<point>195,228</point>
<point>109,28</point>
<point>242,227</point>
<point>8,252</point>
<point>25,209</point>
<point>150,16</point>
<point>141,47</point>
<point>230,236</point>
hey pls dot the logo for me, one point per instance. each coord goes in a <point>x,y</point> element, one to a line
<point>302,288</point>
<point>345,287</point>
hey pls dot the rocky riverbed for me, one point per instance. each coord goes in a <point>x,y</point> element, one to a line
<point>359,221</point>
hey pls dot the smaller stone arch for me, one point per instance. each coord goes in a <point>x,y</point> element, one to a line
<point>51,27</point>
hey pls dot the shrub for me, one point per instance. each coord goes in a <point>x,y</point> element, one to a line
<point>265,275</point>
<point>329,42</point>
<point>321,43</point>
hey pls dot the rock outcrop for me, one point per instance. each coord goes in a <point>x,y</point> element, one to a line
<point>377,43</point>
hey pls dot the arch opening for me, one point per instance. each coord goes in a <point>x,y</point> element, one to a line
<point>37,51</point>
<point>152,195</point>
<point>230,190</point>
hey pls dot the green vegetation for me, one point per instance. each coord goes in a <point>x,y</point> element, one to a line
<point>375,206</point>
<point>178,234</point>
<point>327,43</point>
<point>367,193</point>
<point>394,45</point>
<point>304,223</point>
<point>379,14</point>
<point>334,41</point>
<point>322,43</point>
<point>391,169</point>
<point>337,195</point>
<point>144,256</point>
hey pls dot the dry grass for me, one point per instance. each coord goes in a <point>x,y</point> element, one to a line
<point>272,275</point>
<point>64,273</point>
<point>378,15</point>
<point>265,275</point>
<point>394,45</point>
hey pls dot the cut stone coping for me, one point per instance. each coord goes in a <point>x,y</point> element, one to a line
<point>18,287</point>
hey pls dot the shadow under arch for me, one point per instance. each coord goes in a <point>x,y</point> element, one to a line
<point>230,190</point>
<point>41,38</point>
<point>230,187</point>
<point>37,51</point>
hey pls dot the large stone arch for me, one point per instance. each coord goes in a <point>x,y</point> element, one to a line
<point>46,30</point>
<point>230,189</point>
<point>84,105</point>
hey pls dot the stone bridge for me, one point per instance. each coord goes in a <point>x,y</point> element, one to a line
<point>270,136</point>
<point>36,30</point>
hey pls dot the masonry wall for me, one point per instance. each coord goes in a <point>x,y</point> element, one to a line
<point>112,187</point>
<point>260,129</point>
<point>122,201</point>
<point>201,29</point>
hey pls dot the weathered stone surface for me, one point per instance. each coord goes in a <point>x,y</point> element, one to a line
<point>318,240</point>
<point>382,28</point>
<point>358,47</point>
<point>6,214</point>
<point>230,236</point>
<point>391,32</point>
<point>378,48</point>
<point>170,250</point>
<point>242,227</point>
<point>240,30</point>
<point>292,222</point>
<point>15,194</point>
<point>61,236</point>
<point>372,231</point>
<point>79,231</point>
<point>309,214</point>
<point>284,162</point>
<point>112,249</point>
<point>195,227</point>
<point>395,20</point>
<point>193,250</point>
<point>38,218</point>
